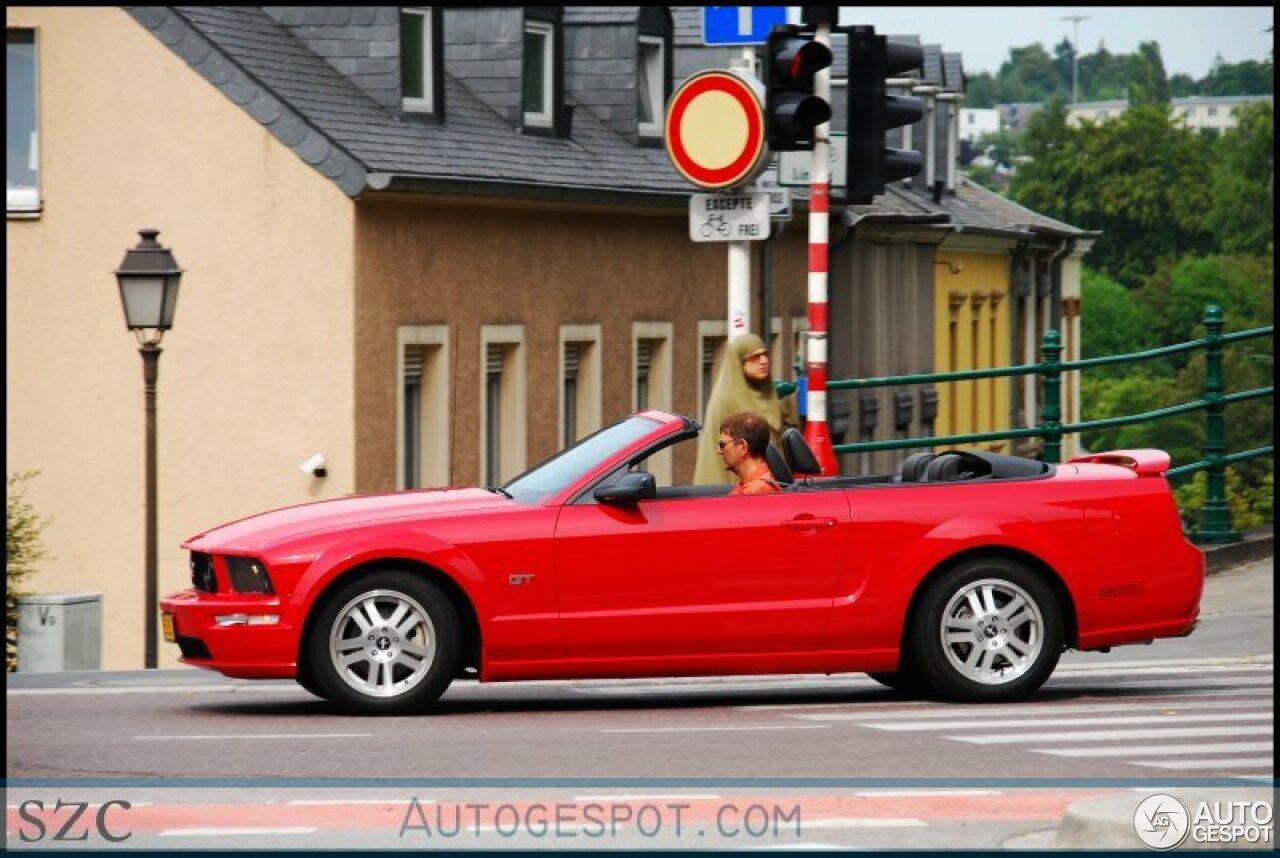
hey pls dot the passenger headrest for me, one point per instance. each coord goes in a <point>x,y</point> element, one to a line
<point>913,467</point>
<point>955,465</point>
<point>803,462</point>
<point>778,465</point>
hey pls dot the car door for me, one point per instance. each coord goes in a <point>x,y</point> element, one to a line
<point>699,575</point>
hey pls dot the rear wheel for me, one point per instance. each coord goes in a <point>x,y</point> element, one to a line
<point>906,680</point>
<point>991,629</point>
<point>385,644</point>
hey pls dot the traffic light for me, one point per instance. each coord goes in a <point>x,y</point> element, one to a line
<point>791,110</point>
<point>870,163</point>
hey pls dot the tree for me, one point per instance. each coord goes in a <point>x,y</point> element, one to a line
<point>1141,179</point>
<point>980,90</point>
<point>1245,78</point>
<point>1242,213</point>
<point>1148,83</point>
<point>1114,321</point>
<point>22,546</point>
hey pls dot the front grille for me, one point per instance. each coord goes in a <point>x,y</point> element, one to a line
<point>202,577</point>
<point>193,648</point>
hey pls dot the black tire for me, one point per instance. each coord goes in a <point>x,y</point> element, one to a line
<point>307,680</point>
<point>396,666</point>
<point>906,681</point>
<point>1012,650</point>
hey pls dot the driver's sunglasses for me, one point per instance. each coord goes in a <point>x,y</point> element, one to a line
<point>723,444</point>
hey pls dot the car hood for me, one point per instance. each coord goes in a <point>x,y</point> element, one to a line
<point>259,531</point>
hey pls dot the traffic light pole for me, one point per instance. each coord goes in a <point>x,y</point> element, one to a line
<point>816,432</point>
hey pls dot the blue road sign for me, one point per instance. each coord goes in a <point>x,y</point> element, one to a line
<point>740,25</point>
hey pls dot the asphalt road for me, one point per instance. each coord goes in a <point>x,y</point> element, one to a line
<point>206,762</point>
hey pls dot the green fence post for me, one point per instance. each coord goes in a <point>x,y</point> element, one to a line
<point>1051,405</point>
<point>1215,518</point>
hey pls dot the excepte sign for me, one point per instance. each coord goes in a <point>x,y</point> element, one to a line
<point>715,130</point>
<point>729,217</point>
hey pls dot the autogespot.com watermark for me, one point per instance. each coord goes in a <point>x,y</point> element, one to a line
<point>562,821</point>
<point>1164,821</point>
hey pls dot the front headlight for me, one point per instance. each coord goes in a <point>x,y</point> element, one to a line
<point>248,575</point>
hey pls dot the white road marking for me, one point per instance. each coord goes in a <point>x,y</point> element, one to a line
<point>1113,735</point>
<point>858,822</point>
<point>928,793</point>
<point>1182,667</point>
<point>654,797</point>
<point>1188,684</point>
<point>1162,718</point>
<point>715,729</point>
<point>1144,705</point>
<point>156,689</point>
<point>1247,763</point>
<point>305,802</point>
<point>221,832</point>
<point>271,736</point>
<point>1158,750</point>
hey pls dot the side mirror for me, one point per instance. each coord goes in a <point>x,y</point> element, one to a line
<point>632,488</point>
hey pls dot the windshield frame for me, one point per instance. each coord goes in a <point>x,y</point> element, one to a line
<point>657,430</point>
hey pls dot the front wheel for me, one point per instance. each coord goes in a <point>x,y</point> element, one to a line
<point>990,630</point>
<point>385,644</point>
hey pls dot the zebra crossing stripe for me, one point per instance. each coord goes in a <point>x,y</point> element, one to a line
<point>1164,718</point>
<point>1159,750</point>
<point>1113,735</point>
<point>1221,765</point>
<point>1144,705</point>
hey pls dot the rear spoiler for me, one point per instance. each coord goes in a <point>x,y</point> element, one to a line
<point>1144,463</point>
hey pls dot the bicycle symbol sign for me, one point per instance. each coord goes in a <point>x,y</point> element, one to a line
<point>729,217</point>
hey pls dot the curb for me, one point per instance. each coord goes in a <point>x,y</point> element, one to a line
<point>1108,822</point>
<point>1258,544</point>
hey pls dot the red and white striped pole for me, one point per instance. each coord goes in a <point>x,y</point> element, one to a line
<point>816,432</point>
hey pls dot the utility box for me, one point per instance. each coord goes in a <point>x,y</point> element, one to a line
<point>59,631</point>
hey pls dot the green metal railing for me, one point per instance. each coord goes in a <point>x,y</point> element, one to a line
<point>1215,522</point>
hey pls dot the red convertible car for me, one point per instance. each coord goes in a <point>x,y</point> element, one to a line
<point>965,575</point>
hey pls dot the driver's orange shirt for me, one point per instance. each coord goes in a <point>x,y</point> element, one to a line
<point>758,482</point>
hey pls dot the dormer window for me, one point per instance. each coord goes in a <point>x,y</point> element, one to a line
<point>421,58</point>
<point>539,73</point>
<point>649,86</point>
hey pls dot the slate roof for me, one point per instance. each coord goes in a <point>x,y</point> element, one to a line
<point>346,135</point>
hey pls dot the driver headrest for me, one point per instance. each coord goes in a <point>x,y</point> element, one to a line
<point>803,462</point>
<point>778,465</point>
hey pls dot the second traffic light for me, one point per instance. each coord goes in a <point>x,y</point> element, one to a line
<point>871,164</point>
<point>791,110</point>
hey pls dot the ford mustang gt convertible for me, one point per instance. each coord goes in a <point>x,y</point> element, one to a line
<point>964,575</point>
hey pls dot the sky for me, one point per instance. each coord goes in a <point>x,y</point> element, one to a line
<point>1189,38</point>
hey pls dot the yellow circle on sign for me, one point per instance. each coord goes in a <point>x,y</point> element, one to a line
<point>714,130</point>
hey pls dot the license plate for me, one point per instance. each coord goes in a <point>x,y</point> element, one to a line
<point>169,633</point>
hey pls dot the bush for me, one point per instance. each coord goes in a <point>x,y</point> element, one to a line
<point>23,548</point>
<point>1249,506</point>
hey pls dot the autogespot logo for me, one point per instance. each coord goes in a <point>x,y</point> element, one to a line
<point>1161,821</point>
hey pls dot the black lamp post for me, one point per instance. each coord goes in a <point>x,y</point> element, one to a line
<point>148,279</point>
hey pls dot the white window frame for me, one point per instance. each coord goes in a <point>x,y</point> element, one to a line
<point>653,71</point>
<point>708,329</point>
<point>588,405</point>
<point>512,453</point>
<point>24,202</point>
<point>660,464</point>
<point>424,104</point>
<point>435,421</point>
<point>546,118</point>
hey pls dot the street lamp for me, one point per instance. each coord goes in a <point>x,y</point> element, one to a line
<point>148,279</point>
<point>1075,55</point>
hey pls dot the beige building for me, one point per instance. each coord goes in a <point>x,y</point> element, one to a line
<point>431,245</point>
<point>1214,113</point>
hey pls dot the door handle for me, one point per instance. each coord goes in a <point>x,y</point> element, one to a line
<point>809,523</point>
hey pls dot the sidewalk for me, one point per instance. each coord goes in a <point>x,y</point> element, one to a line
<point>1256,545</point>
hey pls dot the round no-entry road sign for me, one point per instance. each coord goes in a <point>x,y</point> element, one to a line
<point>715,130</point>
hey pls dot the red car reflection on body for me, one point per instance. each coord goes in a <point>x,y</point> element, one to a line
<point>964,575</point>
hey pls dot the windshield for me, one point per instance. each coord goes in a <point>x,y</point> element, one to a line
<point>568,466</point>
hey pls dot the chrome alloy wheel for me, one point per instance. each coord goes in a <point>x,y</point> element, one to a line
<point>382,643</point>
<point>992,631</point>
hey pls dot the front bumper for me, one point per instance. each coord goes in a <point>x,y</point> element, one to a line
<point>241,650</point>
